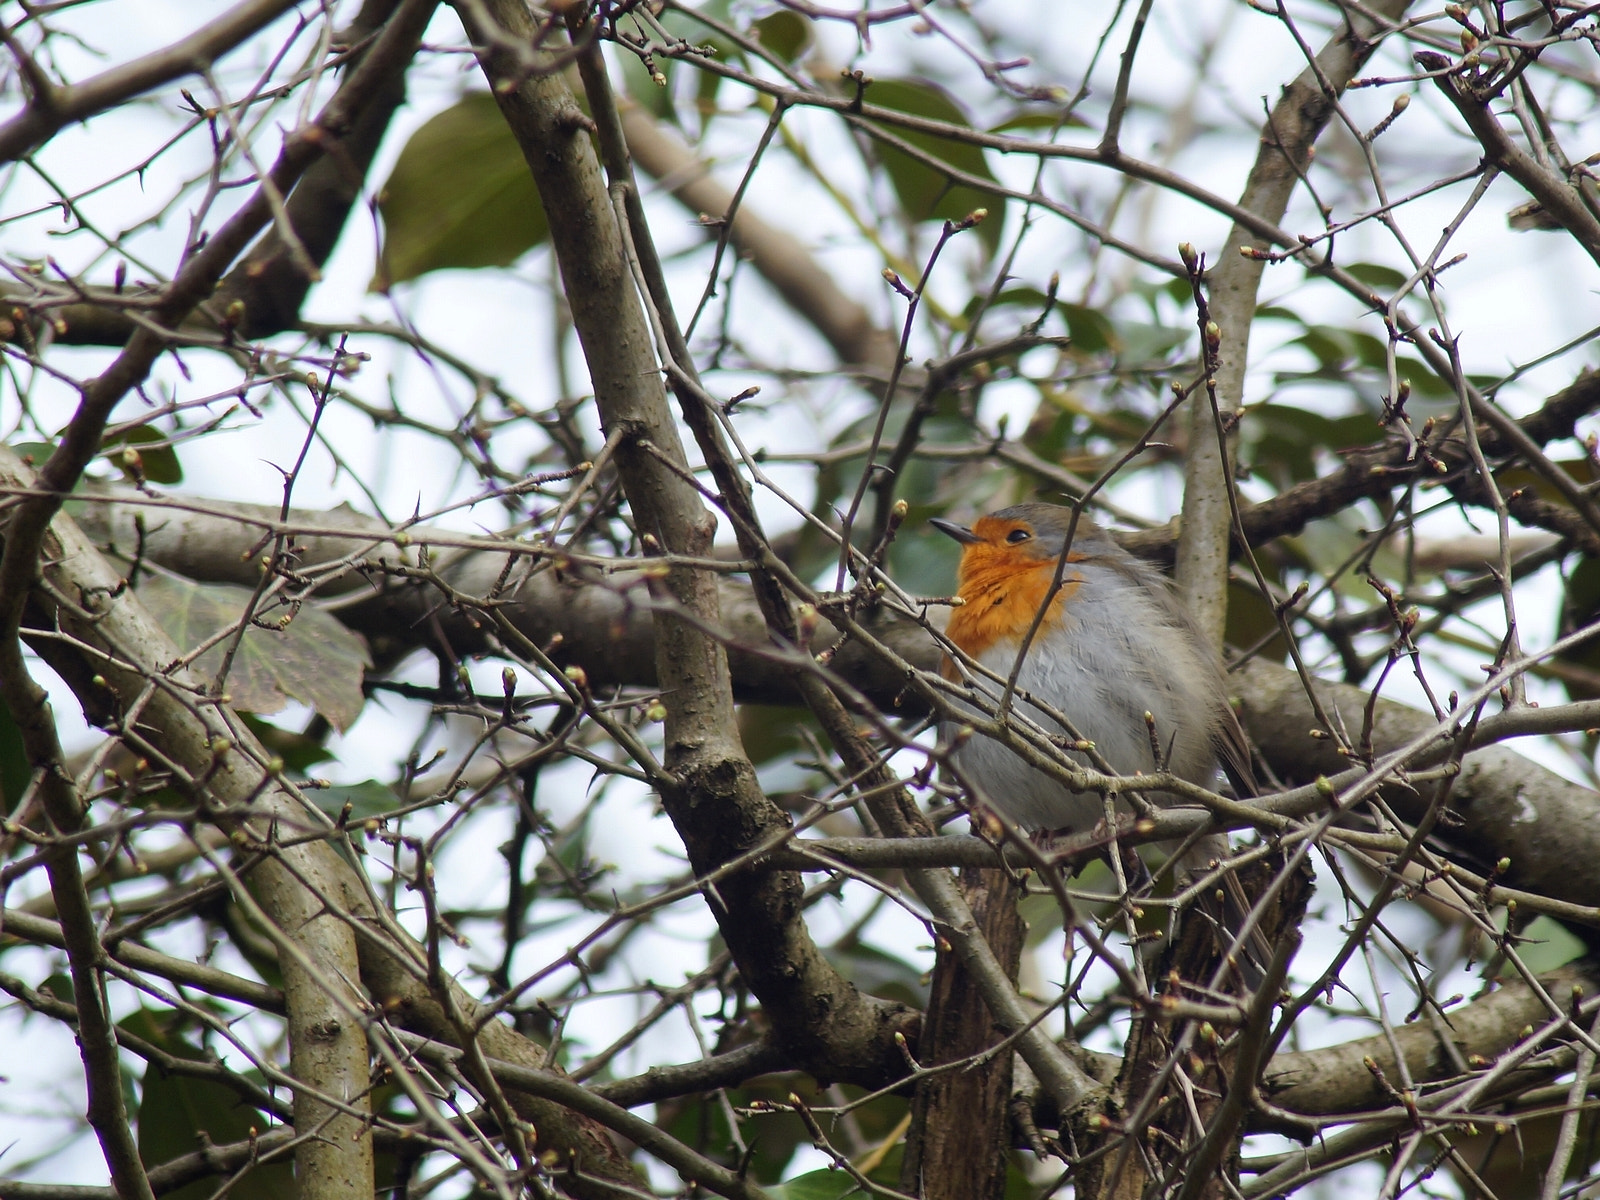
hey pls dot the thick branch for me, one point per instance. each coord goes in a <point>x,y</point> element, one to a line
<point>200,741</point>
<point>1508,807</point>
<point>708,788</point>
<point>883,793</point>
<point>1292,128</point>
<point>1336,1079</point>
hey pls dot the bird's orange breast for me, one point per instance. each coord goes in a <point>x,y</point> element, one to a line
<point>1002,592</point>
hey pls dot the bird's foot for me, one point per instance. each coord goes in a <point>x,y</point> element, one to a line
<point>1134,872</point>
<point>1072,849</point>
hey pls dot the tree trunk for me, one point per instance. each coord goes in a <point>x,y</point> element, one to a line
<point>960,1135</point>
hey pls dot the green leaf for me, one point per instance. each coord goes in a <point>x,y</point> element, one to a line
<point>459,196</point>
<point>1284,440</point>
<point>33,454</point>
<point>1090,330</point>
<point>1250,619</point>
<point>313,659</point>
<point>881,974</point>
<point>1424,380</point>
<point>1018,1185</point>
<point>1547,944</point>
<point>825,1184</point>
<point>158,460</point>
<point>1274,312</point>
<point>1034,118</point>
<point>1041,913</point>
<point>1141,343</point>
<point>923,560</point>
<point>1377,276</point>
<point>1336,349</point>
<point>709,82</point>
<point>175,1110</point>
<point>1021,296</point>
<point>772,1136</point>
<point>660,100</point>
<point>299,752</point>
<point>925,193</point>
<point>366,799</point>
<point>786,34</point>
<point>771,731</point>
<point>655,98</point>
<point>1179,291</point>
<point>1580,603</point>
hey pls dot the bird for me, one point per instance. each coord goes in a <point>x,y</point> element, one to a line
<point>1115,644</point>
<point>1119,657</point>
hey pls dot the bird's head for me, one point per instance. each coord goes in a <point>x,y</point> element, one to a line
<point>1022,537</point>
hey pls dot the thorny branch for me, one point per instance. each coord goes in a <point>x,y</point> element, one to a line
<point>571,643</point>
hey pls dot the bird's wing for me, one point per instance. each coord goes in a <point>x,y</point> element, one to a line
<point>1234,751</point>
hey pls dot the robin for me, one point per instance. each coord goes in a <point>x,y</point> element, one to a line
<point>1114,645</point>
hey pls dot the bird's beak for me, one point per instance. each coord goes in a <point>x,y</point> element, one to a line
<point>960,532</point>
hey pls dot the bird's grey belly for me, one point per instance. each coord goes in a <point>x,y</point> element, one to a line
<point>1103,686</point>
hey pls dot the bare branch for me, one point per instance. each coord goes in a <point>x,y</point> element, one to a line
<point>48,114</point>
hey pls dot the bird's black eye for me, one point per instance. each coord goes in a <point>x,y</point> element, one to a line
<point>1017,536</point>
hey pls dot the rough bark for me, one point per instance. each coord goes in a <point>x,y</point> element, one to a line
<point>1337,1080</point>
<point>1507,806</point>
<point>959,1142</point>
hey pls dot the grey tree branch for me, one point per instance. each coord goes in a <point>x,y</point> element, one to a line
<point>1296,121</point>
<point>225,766</point>
<point>710,791</point>
<point>1508,806</point>
<point>1336,1080</point>
<point>1558,198</point>
<point>884,794</point>
<point>52,109</point>
<point>608,631</point>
